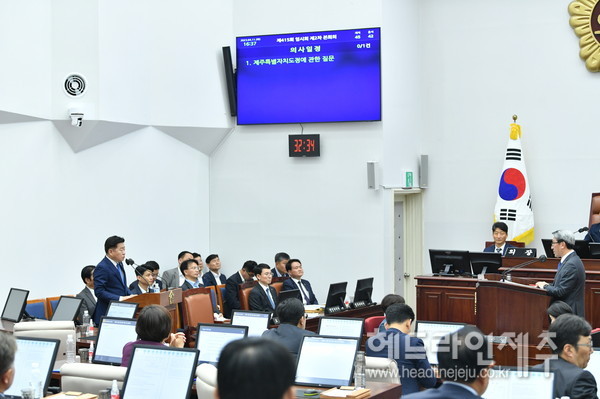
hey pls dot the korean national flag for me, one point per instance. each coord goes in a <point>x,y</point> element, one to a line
<point>513,205</point>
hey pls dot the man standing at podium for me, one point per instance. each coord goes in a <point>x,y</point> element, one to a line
<point>569,281</point>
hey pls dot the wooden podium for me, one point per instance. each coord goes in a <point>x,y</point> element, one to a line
<point>515,315</point>
<point>169,299</point>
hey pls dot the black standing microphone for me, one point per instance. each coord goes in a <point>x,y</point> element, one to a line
<point>542,258</point>
<point>581,230</point>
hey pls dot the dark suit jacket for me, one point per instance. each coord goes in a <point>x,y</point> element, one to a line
<point>276,273</point>
<point>594,234</point>
<point>570,380</point>
<point>187,286</point>
<point>413,366</point>
<point>290,284</point>
<point>209,279</point>
<point>445,391</point>
<point>135,284</point>
<point>492,248</point>
<point>288,335</point>
<point>568,284</point>
<point>258,300</point>
<point>89,303</point>
<point>232,294</point>
<point>108,286</point>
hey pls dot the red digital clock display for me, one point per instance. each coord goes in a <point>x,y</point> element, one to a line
<point>304,145</point>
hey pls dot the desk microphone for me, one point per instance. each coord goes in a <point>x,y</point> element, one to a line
<point>132,263</point>
<point>542,259</point>
<point>581,230</point>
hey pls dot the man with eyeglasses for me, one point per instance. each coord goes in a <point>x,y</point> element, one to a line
<point>292,328</point>
<point>573,347</point>
<point>191,273</point>
<point>569,281</point>
<point>263,297</point>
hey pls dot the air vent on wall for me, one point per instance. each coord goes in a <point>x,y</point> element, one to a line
<point>75,85</point>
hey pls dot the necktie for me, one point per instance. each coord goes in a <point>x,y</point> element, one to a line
<point>121,272</point>
<point>300,286</point>
<point>559,266</point>
<point>498,250</point>
<point>270,298</point>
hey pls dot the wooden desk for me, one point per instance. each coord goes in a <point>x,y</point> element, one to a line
<point>7,326</point>
<point>379,390</point>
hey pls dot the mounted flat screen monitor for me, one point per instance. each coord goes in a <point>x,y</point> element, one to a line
<point>124,310</point>
<point>547,243</point>
<point>363,291</point>
<point>15,305</point>
<point>326,361</point>
<point>431,332</point>
<point>485,262</point>
<point>336,295</point>
<point>509,382</point>
<point>257,322</point>
<point>113,334</point>
<point>171,377</point>
<point>67,308</point>
<point>32,350</point>
<point>594,250</point>
<point>331,76</point>
<point>582,248</point>
<point>341,326</point>
<point>445,262</point>
<point>212,338</point>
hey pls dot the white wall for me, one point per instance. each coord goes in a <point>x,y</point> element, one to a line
<point>482,63</point>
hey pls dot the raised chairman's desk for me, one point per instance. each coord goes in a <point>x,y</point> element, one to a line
<point>455,299</point>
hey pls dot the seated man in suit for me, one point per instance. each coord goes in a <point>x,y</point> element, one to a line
<point>109,277</point>
<point>198,258</point>
<point>409,352</point>
<point>245,363</point>
<point>573,345</point>
<point>173,278</point>
<point>214,275</point>
<point>232,292</point>
<point>465,358</point>
<point>145,280</point>
<point>8,348</point>
<point>569,281</point>
<point>191,273</point>
<point>158,285</point>
<point>594,234</point>
<point>263,297</point>
<point>281,259</point>
<point>500,234</point>
<point>87,293</point>
<point>295,270</point>
<point>386,302</point>
<point>292,328</point>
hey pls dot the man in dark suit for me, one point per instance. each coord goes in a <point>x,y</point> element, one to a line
<point>214,271</point>
<point>464,361</point>
<point>109,277</point>
<point>263,297</point>
<point>295,282</point>
<point>500,234</point>
<point>191,272</point>
<point>281,259</point>
<point>232,292</point>
<point>573,345</point>
<point>173,278</point>
<point>145,280</point>
<point>569,281</point>
<point>292,328</point>
<point>594,234</point>
<point>87,293</point>
<point>409,352</point>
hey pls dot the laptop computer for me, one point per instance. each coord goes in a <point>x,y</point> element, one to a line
<point>32,350</point>
<point>257,322</point>
<point>113,334</point>
<point>511,382</point>
<point>125,310</point>
<point>212,338</point>
<point>431,332</point>
<point>160,372</point>
<point>325,361</point>
<point>67,308</point>
<point>341,326</point>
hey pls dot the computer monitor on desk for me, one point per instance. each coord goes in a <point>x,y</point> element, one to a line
<point>124,310</point>
<point>113,334</point>
<point>582,248</point>
<point>594,250</point>
<point>15,305</point>
<point>212,338</point>
<point>431,332</point>
<point>335,297</point>
<point>485,262</point>
<point>29,351</point>
<point>341,326</point>
<point>67,308</point>
<point>257,322</point>
<point>448,262</point>
<point>362,294</point>
<point>510,382</point>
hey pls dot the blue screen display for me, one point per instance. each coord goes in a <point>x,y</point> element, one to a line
<point>332,76</point>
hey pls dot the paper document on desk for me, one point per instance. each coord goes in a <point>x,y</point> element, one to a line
<point>313,308</point>
<point>344,393</point>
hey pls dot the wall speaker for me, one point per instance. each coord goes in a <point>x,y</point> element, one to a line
<point>231,82</point>
<point>373,175</point>
<point>424,171</point>
<point>74,85</point>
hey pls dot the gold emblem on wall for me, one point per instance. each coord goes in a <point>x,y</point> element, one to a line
<point>585,21</point>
